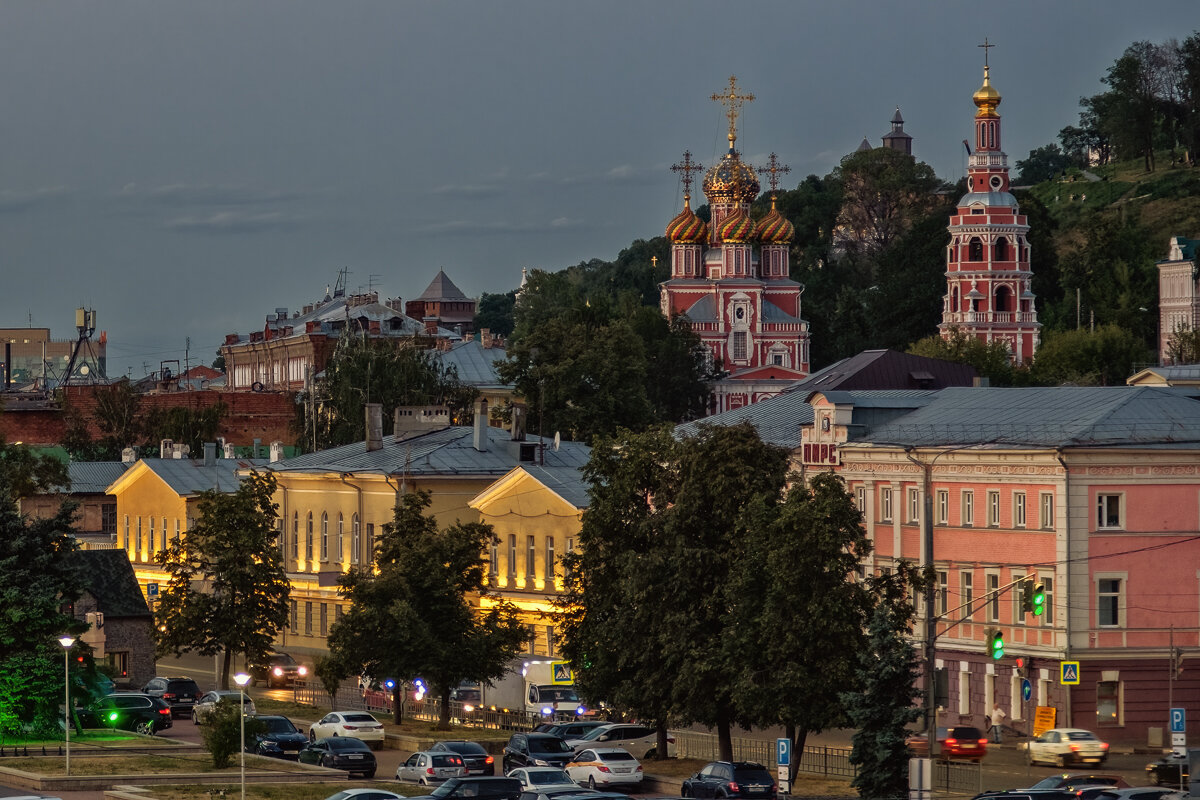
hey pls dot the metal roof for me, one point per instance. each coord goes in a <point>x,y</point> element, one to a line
<point>777,419</point>
<point>988,199</point>
<point>773,313</point>
<point>188,476</point>
<point>447,451</point>
<point>476,364</point>
<point>566,482</point>
<point>94,477</point>
<point>887,369</point>
<point>442,288</point>
<point>1064,416</point>
<point>703,310</point>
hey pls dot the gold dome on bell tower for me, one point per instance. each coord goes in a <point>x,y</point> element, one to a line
<point>986,98</point>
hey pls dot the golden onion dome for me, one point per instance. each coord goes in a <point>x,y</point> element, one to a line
<point>687,228</point>
<point>730,181</point>
<point>775,228</point>
<point>987,98</point>
<point>737,227</point>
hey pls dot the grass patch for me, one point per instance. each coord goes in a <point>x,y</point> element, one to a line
<point>144,764</point>
<point>90,736</point>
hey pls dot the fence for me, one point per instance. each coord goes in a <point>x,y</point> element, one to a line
<point>351,698</point>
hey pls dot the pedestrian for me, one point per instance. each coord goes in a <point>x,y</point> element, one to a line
<point>997,720</point>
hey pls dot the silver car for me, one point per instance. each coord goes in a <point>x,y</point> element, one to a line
<point>208,703</point>
<point>428,768</point>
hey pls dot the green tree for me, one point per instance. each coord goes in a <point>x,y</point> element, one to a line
<point>884,706</point>
<point>795,574</point>
<point>25,472</point>
<point>117,415</point>
<point>222,731</point>
<point>495,312</point>
<point>1043,164</point>
<point>1104,357</point>
<point>1183,345</point>
<point>413,616</point>
<point>990,359</point>
<point>227,590</point>
<point>331,671</point>
<point>883,193</point>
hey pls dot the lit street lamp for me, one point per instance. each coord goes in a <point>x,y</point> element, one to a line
<point>241,679</point>
<point>66,642</point>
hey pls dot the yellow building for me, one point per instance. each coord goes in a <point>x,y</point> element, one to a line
<point>536,513</point>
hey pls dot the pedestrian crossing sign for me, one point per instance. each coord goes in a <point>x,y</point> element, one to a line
<point>560,672</point>
<point>1068,673</point>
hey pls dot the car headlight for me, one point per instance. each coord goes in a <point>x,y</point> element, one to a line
<point>467,709</point>
<point>537,762</point>
<point>302,671</point>
<point>277,672</point>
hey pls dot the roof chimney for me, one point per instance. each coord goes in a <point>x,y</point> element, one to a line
<point>518,422</point>
<point>374,426</point>
<point>210,454</point>
<point>164,448</point>
<point>485,338</point>
<point>276,451</point>
<point>128,455</point>
<point>481,425</point>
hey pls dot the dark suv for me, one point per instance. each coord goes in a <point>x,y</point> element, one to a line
<point>478,788</point>
<point>730,779</point>
<point>128,711</point>
<point>179,693</point>
<point>278,669</point>
<point>536,750</point>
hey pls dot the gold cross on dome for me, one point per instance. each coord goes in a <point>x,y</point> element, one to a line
<point>687,167</point>
<point>733,104</point>
<point>774,169</point>
<point>654,261</point>
<point>986,46</point>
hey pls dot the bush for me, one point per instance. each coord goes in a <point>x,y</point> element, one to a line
<point>222,732</point>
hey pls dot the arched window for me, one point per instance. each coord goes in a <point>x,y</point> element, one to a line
<point>1004,299</point>
<point>1001,249</point>
<point>324,535</point>
<point>308,540</point>
<point>975,249</point>
<point>954,304</point>
<point>341,543</point>
<point>355,539</point>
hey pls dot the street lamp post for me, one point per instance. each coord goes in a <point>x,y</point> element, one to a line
<point>241,679</point>
<point>67,642</point>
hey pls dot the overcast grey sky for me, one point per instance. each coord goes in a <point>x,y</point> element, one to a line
<point>186,167</point>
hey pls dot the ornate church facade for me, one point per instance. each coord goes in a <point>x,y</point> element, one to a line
<point>729,276</point>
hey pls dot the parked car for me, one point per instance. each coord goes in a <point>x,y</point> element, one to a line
<point>208,703</point>
<point>351,724</point>
<point>543,779</point>
<point>562,793</point>
<point>570,730</point>
<point>180,694</point>
<point>280,740</point>
<point>485,788</point>
<point>1027,794</point>
<point>475,758</point>
<point>605,766</point>
<point>640,740</point>
<point>730,779</point>
<point>365,794</point>
<point>1170,770</point>
<point>1072,780</point>
<point>427,768</point>
<point>1142,793</point>
<point>277,670</point>
<point>1065,746</point>
<point>127,711</point>
<point>340,752</point>
<point>535,750</point>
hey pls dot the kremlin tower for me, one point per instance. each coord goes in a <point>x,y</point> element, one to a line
<point>730,277</point>
<point>988,292</point>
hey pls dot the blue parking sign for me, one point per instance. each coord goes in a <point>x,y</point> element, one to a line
<point>783,752</point>
<point>1178,720</point>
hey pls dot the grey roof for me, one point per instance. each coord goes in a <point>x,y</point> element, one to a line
<point>988,199</point>
<point>887,369</point>
<point>773,313</point>
<point>777,419</point>
<point>94,477</point>
<point>884,398</point>
<point>1180,372</point>
<point>896,117</point>
<point>566,482</point>
<point>447,451</point>
<point>109,576</point>
<point>1064,416</point>
<point>864,145</point>
<point>442,288</point>
<point>476,364</point>
<point>703,310</point>
<point>188,476</point>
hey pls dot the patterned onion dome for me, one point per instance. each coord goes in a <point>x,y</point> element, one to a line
<point>687,228</point>
<point>987,98</point>
<point>774,228</point>
<point>737,227</point>
<point>730,181</point>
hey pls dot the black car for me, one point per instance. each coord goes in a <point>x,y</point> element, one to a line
<point>127,711</point>
<point>179,693</point>
<point>1071,780</point>
<point>475,758</point>
<point>1170,770</point>
<point>570,730</point>
<point>340,752</point>
<point>730,779</point>
<point>281,739</point>
<point>277,670</point>
<point>478,788</point>
<point>536,750</point>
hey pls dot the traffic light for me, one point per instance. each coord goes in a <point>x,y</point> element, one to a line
<point>995,640</point>
<point>1039,599</point>
<point>1020,663</point>
<point>1026,597</point>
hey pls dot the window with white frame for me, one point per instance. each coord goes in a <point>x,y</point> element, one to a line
<point>966,588</point>
<point>512,556</point>
<point>964,692</point>
<point>1047,502</point>
<point>943,507</point>
<point>914,505</point>
<point>860,499</point>
<point>943,593</point>
<point>324,536</point>
<point>968,508</point>
<point>885,504</point>
<point>341,537</point>
<point>1018,509</point>
<point>308,539</point>
<point>530,560</point>
<point>163,534</point>
<point>550,567</point>
<point>1109,601</point>
<point>1018,600</point>
<point>1048,608</point>
<point>355,540</point>
<point>993,511</point>
<point>151,539</point>
<point>993,597</point>
<point>494,560</point>
<point>1108,510</point>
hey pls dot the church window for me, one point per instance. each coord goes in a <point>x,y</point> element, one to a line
<point>777,359</point>
<point>739,342</point>
<point>1001,249</point>
<point>975,249</point>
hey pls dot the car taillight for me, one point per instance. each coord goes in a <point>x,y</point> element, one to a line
<point>350,727</point>
<point>951,741</point>
<point>429,771</point>
<point>639,769</point>
<point>164,711</point>
<point>983,741</point>
<point>1104,745</point>
<point>1074,748</point>
<point>490,760</point>
<point>733,787</point>
<point>603,768</point>
<point>774,788</point>
<point>168,696</point>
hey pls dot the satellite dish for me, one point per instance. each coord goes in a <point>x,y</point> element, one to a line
<point>557,440</point>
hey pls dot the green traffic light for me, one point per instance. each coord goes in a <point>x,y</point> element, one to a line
<point>1039,599</point>
<point>998,646</point>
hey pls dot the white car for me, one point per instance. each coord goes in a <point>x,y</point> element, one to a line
<point>605,766</point>
<point>352,724</point>
<point>208,702</point>
<point>640,740</point>
<point>1064,746</point>
<point>365,794</point>
<point>542,779</point>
